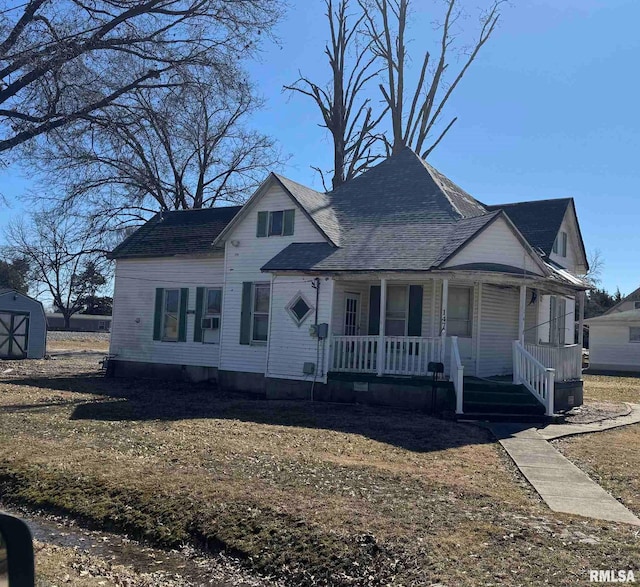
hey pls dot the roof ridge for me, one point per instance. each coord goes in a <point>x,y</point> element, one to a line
<point>568,199</point>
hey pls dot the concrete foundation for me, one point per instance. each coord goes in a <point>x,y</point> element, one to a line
<point>568,394</point>
<point>192,373</point>
<point>254,383</point>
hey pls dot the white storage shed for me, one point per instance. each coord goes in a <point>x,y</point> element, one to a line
<point>614,341</point>
<point>23,326</point>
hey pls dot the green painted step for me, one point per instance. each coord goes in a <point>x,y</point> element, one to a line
<point>482,407</point>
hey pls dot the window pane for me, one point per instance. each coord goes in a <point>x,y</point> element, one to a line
<point>397,302</point>
<point>214,301</point>
<point>394,327</point>
<point>634,334</point>
<point>300,309</point>
<point>261,299</point>
<point>275,223</point>
<point>260,327</point>
<point>170,327</point>
<point>457,327</point>
<point>459,303</point>
<point>171,298</point>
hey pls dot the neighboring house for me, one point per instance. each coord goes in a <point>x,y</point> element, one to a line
<point>349,295</point>
<point>80,322</point>
<point>23,328</point>
<point>614,341</point>
<point>630,302</point>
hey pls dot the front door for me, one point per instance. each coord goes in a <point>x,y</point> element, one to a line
<point>14,334</point>
<point>352,314</point>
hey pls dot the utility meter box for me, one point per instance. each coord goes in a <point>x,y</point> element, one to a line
<point>323,330</point>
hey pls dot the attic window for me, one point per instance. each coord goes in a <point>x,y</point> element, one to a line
<point>560,244</point>
<point>299,309</point>
<point>275,223</point>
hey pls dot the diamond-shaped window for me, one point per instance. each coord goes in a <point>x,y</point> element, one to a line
<point>299,309</point>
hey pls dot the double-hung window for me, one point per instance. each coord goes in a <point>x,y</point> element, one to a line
<point>276,223</point>
<point>260,318</point>
<point>460,308</point>
<point>560,244</point>
<point>396,311</point>
<point>212,311</point>
<point>170,314</point>
<point>634,333</point>
<point>636,305</point>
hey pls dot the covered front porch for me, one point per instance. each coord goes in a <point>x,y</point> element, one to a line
<point>489,327</point>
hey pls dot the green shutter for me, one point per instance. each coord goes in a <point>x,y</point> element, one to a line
<point>289,217</point>
<point>157,315</point>
<point>263,219</point>
<point>374,310</point>
<point>182,324</point>
<point>245,316</point>
<point>414,327</point>
<point>197,328</point>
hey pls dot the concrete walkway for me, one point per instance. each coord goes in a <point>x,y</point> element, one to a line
<point>553,431</point>
<point>562,485</point>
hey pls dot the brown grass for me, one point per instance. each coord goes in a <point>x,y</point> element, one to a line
<point>78,345</point>
<point>609,388</point>
<point>318,493</point>
<point>612,458</point>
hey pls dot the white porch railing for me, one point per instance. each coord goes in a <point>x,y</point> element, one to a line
<point>531,373</point>
<point>456,373</point>
<point>566,360</point>
<point>403,355</point>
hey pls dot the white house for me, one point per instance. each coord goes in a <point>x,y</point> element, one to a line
<point>350,295</point>
<point>630,302</point>
<point>614,341</point>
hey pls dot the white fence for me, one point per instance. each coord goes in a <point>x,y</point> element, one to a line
<point>566,360</point>
<point>403,355</point>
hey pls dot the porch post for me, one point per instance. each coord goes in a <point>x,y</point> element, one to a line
<point>443,318</point>
<point>383,314</point>
<point>580,322</point>
<point>523,305</point>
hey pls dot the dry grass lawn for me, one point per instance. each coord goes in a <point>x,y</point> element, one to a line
<point>315,493</point>
<point>609,388</point>
<point>78,345</point>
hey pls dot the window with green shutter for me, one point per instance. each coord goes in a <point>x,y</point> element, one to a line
<point>170,316</point>
<point>276,223</point>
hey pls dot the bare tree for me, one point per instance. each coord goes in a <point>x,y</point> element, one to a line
<point>60,251</point>
<point>63,60</point>
<point>345,112</point>
<point>386,25</point>
<point>177,148</point>
<point>596,267</point>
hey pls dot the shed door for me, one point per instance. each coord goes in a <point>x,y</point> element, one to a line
<point>14,335</point>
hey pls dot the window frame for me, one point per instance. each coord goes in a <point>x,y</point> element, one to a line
<point>293,302</point>
<point>469,320</point>
<point>636,305</point>
<point>256,285</point>
<point>206,314</point>
<point>269,223</point>
<point>163,321</point>
<point>633,340</point>
<point>406,311</point>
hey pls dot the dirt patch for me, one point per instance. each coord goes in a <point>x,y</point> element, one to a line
<point>596,412</point>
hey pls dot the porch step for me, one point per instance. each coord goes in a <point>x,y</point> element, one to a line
<point>489,399</point>
<point>489,417</point>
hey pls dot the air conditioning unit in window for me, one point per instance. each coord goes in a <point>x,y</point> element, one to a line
<point>210,323</point>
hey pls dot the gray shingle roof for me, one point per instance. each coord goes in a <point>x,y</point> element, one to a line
<point>317,205</point>
<point>177,233</point>
<point>538,221</point>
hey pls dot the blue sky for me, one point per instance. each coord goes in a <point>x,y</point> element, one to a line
<point>548,110</point>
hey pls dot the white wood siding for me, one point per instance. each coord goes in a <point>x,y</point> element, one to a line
<point>292,345</point>
<point>609,347</point>
<point>496,244</point>
<point>243,264</point>
<point>136,281</point>
<point>499,328</point>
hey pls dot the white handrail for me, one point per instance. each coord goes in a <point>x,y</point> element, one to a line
<point>566,360</point>
<point>456,373</point>
<point>531,373</point>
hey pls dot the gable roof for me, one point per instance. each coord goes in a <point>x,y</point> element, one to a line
<point>634,294</point>
<point>177,232</point>
<point>538,221</point>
